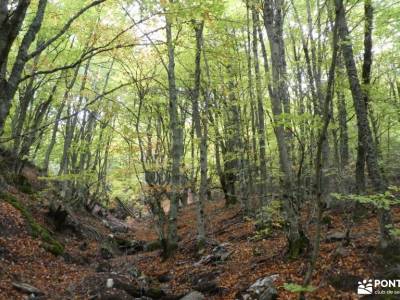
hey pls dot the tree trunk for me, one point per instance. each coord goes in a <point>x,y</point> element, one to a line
<point>342,116</point>
<point>201,135</point>
<point>8,87</point>
<point>176,142</point>
<point>364,129</point>
<point>273,21</point>
<point>260,110</point>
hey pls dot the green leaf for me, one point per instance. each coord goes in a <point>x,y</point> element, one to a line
<point>297,288</point>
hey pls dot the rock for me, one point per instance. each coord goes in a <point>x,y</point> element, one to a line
<point>209,287</point>
<point>110,283</point>
<point>27,288</point>
<point>262,289</point>
<point>221,251</point>
<point>106,253</point>
<point>205,282</point>
<point>115,225</point>
<point>154,293</point>
<point>139,290</point>
<point>269,294</point>
<point>392,272</point>
<point>204,260</point>
<point>194,296</point>
<point>135,272</point>
<point>103,267</point>
<point>129,247</point>
<point>219,254</point>
<point>336,237</point>
<point>83,246</point>
<point>344,281</point>
<point>77,260</point>
<point>130,289</point>
<point>112,294</point>
<point>109,248</point>
<point>263,283</point>
<point>340,252</point>
<point>164,278</point>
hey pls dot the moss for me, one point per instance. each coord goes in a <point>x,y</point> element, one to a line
<point>37,231</point>
<point>153,245</point>
<point>200,244</point>
<point>155,293</point>
<point>298,247</point>
<point>390,255</point>
<point>326,220</point>
<point>23,184</point>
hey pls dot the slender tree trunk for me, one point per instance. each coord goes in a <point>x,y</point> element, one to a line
<point>364,129</point>
<point>33,129</point>
<point>70,127</point>
<point>25,100</point>
<point>342,116</point>
<point>232,148</point>
<point>323,135</point>
<point>260,110</point>
<point>366,79</point>
<point>201,135</point>
<point>176,141</point>
<point>273,21</point>
<point>253,162</point>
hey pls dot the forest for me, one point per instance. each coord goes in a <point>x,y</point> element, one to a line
<point>200,149</point>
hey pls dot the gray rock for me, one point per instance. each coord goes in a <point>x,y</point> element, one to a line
<point>263,283</point>
<point>336,237</point>
<point>110,283</point>
<point>134,271</point>
<point>269,294</point>
<point>219,254</point>
<point>263,289</point>
<point>194,296</point>
<point>205,282</point>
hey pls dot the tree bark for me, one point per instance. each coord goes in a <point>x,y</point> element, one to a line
<point>364,129</point>
<point>201,134</point>
<point>176,141</point>
<point>260,110</point>
<point>273,22</point>
<point>8,86</point>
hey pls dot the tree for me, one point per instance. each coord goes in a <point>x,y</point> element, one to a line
<point>273,22</point>
<point>10,25</point>
<point>364,130</point>
<point>176,140</point>
<point>201,132</point>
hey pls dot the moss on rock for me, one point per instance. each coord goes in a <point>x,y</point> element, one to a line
<point>37,231</point>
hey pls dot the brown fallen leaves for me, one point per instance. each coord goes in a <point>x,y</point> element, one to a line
<point>23,259</point>
<point>251,260</point>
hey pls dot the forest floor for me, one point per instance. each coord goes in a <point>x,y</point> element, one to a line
<point>81,270</point>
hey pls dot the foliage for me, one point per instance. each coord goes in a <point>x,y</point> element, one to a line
<point>296,288</point>
<point>268,218</point>
<point>383,200</point>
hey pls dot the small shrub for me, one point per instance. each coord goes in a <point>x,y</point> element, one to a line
<point>267,219</point>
